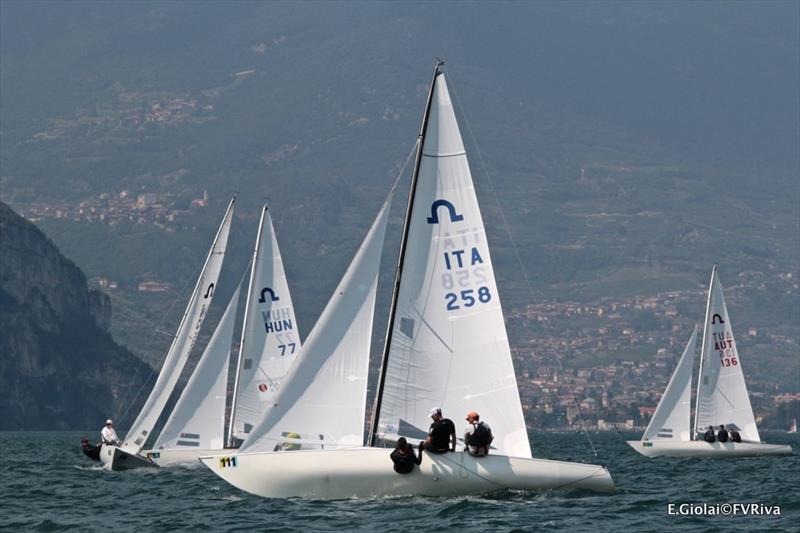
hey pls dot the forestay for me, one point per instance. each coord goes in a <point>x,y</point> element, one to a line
<point>449,346</point>
<point>270,340</point>
<point>183,341</point>
<point>198,419</point>
<point>671,418</point>
<point>322,402</point>
<point>722,393</point>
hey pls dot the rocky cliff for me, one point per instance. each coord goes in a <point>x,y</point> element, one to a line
<point>59,366</point>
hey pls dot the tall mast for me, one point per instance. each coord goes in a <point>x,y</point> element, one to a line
<point>703,351</point>
<point>250,288</point>
<point>373,429</point>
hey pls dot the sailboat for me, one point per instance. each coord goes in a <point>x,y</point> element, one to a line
<point>722,397</point>
<point>446,346</point>
<point>268,348</point>
<point>128,454</point>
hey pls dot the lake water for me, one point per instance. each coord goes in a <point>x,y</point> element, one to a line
<point>46,484</point>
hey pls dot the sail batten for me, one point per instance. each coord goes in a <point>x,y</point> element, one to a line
<point>184,340</point>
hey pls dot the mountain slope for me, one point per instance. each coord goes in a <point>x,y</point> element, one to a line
<point>59,366</point>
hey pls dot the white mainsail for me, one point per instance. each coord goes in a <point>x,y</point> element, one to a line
<point>198,420</point>
<point>449,346</point>
<point>183,341</point>
<point>322,402</point>
<point>270,340</point>
<point>671,418</point>
<point>721,391</point>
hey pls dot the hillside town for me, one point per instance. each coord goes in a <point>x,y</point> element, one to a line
<point>600,365</point>
<point>603,365</point>
<point>111,208</point>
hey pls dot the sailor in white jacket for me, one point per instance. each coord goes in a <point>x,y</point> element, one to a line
<point>108,435</point>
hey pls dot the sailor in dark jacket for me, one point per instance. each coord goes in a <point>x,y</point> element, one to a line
<point>709,435</point>
<point>722,435</point>
<point>735,437</point>
<point>403,457</point>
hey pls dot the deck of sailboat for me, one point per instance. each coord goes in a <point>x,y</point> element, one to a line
<point>368,472</point>
<point>698,448</point>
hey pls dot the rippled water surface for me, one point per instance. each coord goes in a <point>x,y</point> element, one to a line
<point>46,484</point>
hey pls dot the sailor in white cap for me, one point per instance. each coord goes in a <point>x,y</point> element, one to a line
<point>442,434</point>
<point>108,435</point>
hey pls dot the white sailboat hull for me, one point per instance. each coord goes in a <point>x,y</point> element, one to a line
<point>113,458</point>
<point>368,472</point>
<point>180,456</point>
<point>696,448</point>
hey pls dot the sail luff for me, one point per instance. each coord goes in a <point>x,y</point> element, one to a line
<point>250,286</point>
<point>401,259</point>
<point>703,354</point>
<point>183,341</point>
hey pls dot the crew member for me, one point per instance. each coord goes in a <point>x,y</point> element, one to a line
<point>442,434</point>
<point>478,436</point>
<point>403,456</point>
<point>735,437</point>
<point>108,435</point>
<point>722,435</point>
<point>709,435</point>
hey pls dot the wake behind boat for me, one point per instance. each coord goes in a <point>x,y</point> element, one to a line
<point>446,345</point>
<point>722,397</point>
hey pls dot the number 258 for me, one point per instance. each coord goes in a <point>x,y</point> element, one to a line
<point>466,298</point>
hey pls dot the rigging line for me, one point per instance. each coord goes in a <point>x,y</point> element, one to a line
<point>403,168</point>
<point>524,271</point>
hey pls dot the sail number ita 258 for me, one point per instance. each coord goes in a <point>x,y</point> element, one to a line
<point>464,271</point>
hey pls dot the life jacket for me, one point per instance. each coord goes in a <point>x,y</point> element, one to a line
<point>481,435</point>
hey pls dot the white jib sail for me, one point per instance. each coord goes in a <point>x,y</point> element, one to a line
<point>721,392</point>
<point>322,402</point>
<point>198,420</point>
<point>671,418</point>
<point>183,341</point>
<point>449,346</point>
<point>270,339</point>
